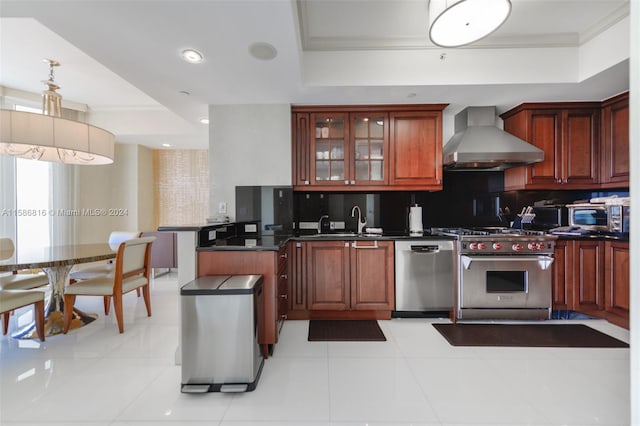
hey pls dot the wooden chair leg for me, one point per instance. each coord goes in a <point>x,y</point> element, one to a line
<point>107,304</point>
<point>138,291</point>
<point>147,298</point>
<point>117,307</point>
<point>39,313</point>
<point>5,322</point>
<point>69,300</point>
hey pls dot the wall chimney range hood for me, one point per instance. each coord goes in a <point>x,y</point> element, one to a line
<point>479,145</point>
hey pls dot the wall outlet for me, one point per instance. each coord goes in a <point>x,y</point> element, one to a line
<point>222,207</point>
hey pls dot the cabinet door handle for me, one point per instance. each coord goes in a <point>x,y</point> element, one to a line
<point>283,296</point>
<point>283,256</point>
<point>283,276</point>
<point>306,182</point>
<point>356,246</point>
<point>353,182</point>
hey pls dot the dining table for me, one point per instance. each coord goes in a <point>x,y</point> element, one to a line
<point>56,262</point>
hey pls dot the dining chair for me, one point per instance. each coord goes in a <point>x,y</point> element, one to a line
<point>103,268</point>
<point>17,281</point>
<point>132,270</point>
<point>11,300</point>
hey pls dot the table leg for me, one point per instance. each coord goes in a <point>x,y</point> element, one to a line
<point>54,307</point>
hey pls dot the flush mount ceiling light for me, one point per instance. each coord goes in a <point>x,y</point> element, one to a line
<point>166,145</point>
<point>263,51</point>
<point>454,23</point>
<point>204,121</point>
<point>192,56</point>
<point>49,137</point>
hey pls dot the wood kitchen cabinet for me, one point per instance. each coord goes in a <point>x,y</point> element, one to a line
<point>592,277</point>
<point>588,276</point>
<point>267,263</point>
<point>416,149</point>
<point>617,282</point>
<point>282,279</point>
<point>615,142</point>
<point>342,279</point>
<point>367,148</point>
<point>569,135</point>
<point>562,292</point>
<point>328,277</point>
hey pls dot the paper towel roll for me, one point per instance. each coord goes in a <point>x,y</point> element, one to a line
<point>415,220</point>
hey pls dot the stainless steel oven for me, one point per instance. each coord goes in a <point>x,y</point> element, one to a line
<point>504,274</point>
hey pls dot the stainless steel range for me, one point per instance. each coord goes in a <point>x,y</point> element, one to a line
<point>503,273</point>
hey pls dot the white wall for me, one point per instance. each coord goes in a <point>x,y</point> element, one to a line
<point>248,145</point>
<point>123,189</point>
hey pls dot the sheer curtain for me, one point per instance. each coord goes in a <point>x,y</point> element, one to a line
<point>56,220</point>
<point>63,221</point>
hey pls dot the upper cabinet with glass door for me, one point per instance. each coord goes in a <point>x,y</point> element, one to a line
<point>370,146</point>
<point>330,136</point>
<point>349,149</point>
<point>352,148</point>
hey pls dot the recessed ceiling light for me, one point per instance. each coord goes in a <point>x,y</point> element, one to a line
<point>263,51</point>
<point>192,56</point>
<point>166,145</point>
<point>204,120</point>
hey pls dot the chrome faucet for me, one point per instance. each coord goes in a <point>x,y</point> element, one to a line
<point>361,221</point>
<point>320,223</point>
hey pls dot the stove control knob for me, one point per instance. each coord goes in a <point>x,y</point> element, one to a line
<point>473,246</point>
<point>497,246</point>
<point>482,246</point>
<point>516,247</point>
<point>540,246</point>
<point>532,246</point>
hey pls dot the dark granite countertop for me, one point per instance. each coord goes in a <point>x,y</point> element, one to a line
<point>264,243</point>
<point>275,242</point>
<point>596,237</point>
<point>193,227</point>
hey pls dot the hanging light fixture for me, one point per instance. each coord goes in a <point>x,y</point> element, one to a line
<point>454,23</point>
<point>49,137</point>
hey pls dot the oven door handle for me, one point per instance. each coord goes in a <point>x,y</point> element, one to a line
<point>543,261</point>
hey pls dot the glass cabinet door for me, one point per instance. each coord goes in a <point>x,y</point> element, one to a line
<point>370,142</point>
<point>330,138</point>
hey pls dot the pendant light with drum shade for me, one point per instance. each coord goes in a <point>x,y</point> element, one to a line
<point>49,137</point>
<point>455,23</point>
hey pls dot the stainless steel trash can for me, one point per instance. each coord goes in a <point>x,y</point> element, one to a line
<point>220,351</point>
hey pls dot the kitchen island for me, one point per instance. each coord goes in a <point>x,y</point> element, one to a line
<point>266,256</point>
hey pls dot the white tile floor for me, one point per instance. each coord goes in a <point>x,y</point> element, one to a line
<point>97,377</point>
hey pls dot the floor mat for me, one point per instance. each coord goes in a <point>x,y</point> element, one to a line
<point>345,331</point>
<point>527,335</point>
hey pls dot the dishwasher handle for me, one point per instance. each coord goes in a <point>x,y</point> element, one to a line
<point>427,248</point>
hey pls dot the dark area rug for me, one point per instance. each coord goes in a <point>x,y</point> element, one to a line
<point>528,335</point>
<point>345,331</point>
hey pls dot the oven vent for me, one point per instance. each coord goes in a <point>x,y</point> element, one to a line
<point>478,144</point>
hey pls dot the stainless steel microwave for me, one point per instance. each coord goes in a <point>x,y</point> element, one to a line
<point>618,218</point>
<point>591,217</point>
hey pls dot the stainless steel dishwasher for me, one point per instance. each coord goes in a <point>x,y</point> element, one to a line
<point>424,277</point>
<point>220,351</point>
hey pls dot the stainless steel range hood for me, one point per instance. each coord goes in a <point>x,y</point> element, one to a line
<point>479,145</point>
